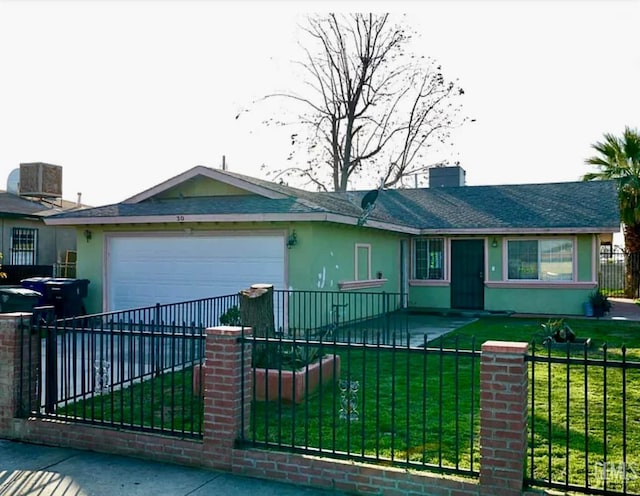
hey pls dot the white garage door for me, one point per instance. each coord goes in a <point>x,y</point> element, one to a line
<point>145,270</point>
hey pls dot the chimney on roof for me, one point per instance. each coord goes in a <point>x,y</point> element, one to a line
<point>224,163</point>
<point>444,177</point>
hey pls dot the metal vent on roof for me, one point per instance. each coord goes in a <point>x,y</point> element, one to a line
<point>41,180</point>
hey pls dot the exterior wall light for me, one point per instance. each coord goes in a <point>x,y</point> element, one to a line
<point>494,243</point>
<point>292,240</point>
<point>87,235</point>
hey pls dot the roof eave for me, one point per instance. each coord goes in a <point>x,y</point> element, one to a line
<point>537,230</point>
<point>15,215</point>
<point>228,218</point>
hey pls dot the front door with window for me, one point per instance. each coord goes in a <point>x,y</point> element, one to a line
<point>467,274</point>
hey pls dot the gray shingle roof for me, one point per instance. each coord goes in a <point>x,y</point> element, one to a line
<point>17,206</point>
<point>13,205</point>
<point>524,206</point>
<point>573,205</point>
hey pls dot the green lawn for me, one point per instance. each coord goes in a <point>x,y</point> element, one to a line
<point>412,407</point>
<point>163,403</point>
<point>583,429</point>
<point>424,408</point>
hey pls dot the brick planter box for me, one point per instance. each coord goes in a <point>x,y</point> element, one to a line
<point>295,386</point>
<point>266,380</point>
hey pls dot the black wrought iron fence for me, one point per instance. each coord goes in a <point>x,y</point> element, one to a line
<point>135,368</point>
<point>132,368</point>
<point>386,403</point>
<point>619,272</point>
<point>343,316</point>
<point>583,420</point>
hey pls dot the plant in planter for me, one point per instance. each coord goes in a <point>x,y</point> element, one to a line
<point>559,331</point>
<point>231,317</point>
<point>298,375</point>
<point>560,335</point>
<point>599,302</point>
<point>281,371</point>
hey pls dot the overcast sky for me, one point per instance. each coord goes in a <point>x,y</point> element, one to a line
<point>126,94</point>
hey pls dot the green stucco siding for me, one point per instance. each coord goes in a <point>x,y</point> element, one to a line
<point>541,300</point>
<point>200,187</point>
<point>430,297</point>
<point>89,266</point>
<point>494,258</point>
<point>556,301</point>
<point>323,257</point>
<point>585,258</point>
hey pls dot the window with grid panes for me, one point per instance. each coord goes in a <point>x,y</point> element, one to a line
<point>428,260</point>
<point>24,245</point>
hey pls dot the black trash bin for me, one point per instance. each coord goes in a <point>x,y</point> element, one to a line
<point>66,296</point>
<point>16,299</point>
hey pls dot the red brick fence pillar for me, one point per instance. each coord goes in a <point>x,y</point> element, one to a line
<point>503,417</point>
<point>227,375</point>
<point>19,369</point>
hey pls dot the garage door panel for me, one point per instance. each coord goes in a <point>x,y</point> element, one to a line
<point>145,270</point>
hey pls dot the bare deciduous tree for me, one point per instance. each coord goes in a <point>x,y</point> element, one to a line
<point>369,107</point>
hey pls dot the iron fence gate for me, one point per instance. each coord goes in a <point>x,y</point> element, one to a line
<point>619,272</point>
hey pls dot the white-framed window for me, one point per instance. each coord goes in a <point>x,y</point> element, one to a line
<point>541,259</point>
<point>428,258</point>
<point>24,246</point>
<point>363,262</point>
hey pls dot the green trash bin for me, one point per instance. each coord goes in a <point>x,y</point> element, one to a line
<point>18,299</point>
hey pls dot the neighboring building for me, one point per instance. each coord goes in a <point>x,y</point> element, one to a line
<point>29,246</point>
<point>206,232</point>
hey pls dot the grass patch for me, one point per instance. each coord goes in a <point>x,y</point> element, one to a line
<point>162,403</point>
<point>412,407</point>
<point>424,408</point>
<point>576,426</point>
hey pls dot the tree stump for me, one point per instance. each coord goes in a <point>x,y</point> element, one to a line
<point>256,311</point>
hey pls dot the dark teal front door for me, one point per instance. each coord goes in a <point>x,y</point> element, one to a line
<point>467,274</point>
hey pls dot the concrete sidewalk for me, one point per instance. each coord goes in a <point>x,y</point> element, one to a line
<point>29,470</point>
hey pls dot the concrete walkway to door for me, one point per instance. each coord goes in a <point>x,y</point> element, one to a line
<point>429,326</point>
<point>434,324</point>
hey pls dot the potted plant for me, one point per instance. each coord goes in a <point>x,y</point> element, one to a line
<point>599,302</point>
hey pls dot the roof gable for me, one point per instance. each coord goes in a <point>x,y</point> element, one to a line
<point>200,186</point>
<point>203,181</point>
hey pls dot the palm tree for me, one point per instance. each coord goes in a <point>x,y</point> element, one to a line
<point>619,159</point>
